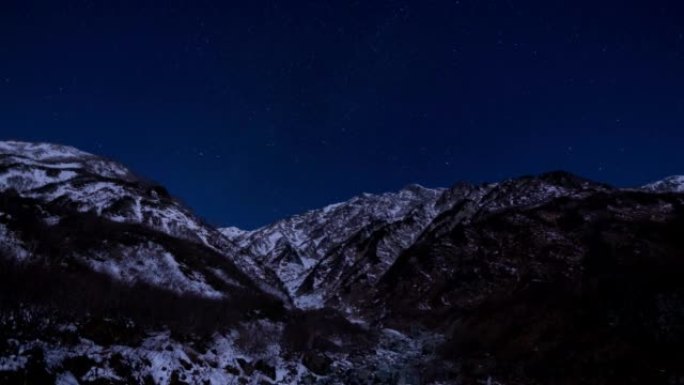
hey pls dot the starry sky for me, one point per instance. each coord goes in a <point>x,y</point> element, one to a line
<point>252,111</point>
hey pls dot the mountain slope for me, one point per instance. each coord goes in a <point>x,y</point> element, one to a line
<point>534,280</point>
<point>295,247</point>
<point>66,188</point>
<point>582,289</point>
<point>325,255</point>
<point>105,278</point>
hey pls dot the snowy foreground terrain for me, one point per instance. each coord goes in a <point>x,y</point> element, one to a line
<point>105,278</point>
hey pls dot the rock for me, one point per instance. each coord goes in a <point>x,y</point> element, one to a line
<point>318,363</point>
<point>266,369</point>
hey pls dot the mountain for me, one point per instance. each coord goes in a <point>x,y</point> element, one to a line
<point>521,278</point>
<point>67,187</point>
<point>307,249</point>
<point>105,278</point>
<point>581,289</point>
<point>324,255</point>
<point>670,184</point>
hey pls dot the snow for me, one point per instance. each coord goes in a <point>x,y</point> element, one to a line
<point>92,184</point>
<point>329,208</point>
<point>12,245</point>
<point>394,334</point>
<point>99,197</point>
<point>159,355</point>
<point>58,156</point>
<point>309,301</point>
<point>315,234</point>
<point>33,178</point>
<point>12,363</point>
<point>308,263</point>
<point>66,379</point>
<point>137,210</point>
<point>52,221</point>
<point>291,275</point>
<point>673,183</point>
<point>98,373</point>
<point>272,239</point>
<point>40,151</point>
<point>153,265</point>
<point>18,159</point>
<point>93,196</point>
<point>232,232</point>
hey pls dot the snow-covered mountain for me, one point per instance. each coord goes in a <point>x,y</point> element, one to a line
<point>324,255</point>
<point>315,241</point>
<point>106,278</point>
<point>65,183</point>
<point>87,183</point>
<point>558,290</point>
<point>673,183</point>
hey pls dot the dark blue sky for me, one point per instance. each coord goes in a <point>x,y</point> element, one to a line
<point>250,111</point>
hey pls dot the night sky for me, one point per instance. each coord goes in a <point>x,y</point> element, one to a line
<point>255,110</point>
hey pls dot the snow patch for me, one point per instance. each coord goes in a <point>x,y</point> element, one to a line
<point>153,265</point>
<point>66,379</point>
<point>12,363</point>
<point>310,301</point>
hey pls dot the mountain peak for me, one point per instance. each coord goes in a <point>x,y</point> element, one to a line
<point>415,187</point>
<point>57,157</point>
<point>232,232</point>
<point>419,191</point>
<point>41,151</point>
<point>566,178</point>
<point>67,177</point>
<point>674,183</point>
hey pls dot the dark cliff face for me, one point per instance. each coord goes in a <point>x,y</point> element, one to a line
<point>578,290</point>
